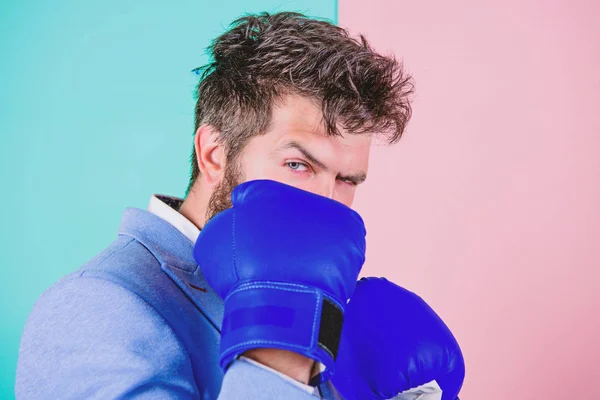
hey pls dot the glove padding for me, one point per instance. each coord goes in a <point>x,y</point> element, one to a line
<point>286,262</point>
<point>394,344</point>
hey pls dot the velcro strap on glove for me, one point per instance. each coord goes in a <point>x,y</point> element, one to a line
<point>280,315</point>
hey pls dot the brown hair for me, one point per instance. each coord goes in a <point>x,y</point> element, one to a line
<point>262,57</point>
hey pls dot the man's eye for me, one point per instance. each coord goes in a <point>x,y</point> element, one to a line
<point>297,166</point>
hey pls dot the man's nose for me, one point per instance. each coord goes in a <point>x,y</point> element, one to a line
<point>327,188</point>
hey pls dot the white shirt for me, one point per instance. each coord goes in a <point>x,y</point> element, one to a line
<point>167,208</point>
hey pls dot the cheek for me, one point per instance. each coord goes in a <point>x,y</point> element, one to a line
<point>345,195</point>
<point>262,168</point>
<point>255,162</point>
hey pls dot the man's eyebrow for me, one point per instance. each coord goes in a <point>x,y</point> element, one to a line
<point>355,178</point>
<point>295,145</point>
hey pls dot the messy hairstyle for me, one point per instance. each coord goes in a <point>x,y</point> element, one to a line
<point>262,57</point>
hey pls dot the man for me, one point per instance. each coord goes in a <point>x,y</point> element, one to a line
<point>240,290</point>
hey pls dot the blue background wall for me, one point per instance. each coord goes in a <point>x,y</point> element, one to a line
<point>96,114</point>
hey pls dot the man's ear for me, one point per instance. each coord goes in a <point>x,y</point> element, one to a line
<point>210,155</point>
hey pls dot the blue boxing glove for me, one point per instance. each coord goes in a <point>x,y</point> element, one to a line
<point>285,261</point>
<point>394,344</point>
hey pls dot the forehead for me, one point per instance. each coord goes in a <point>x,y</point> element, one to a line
<point>299,116</point>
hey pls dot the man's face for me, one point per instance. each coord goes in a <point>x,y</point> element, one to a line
<point>296,151</point>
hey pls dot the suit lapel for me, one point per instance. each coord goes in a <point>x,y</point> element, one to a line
<point>175,253</point>
<point>193,284</point>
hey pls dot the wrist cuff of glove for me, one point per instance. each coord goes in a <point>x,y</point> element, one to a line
<point>280,315</point>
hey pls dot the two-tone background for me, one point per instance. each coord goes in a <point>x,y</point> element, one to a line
<point>489,207</point>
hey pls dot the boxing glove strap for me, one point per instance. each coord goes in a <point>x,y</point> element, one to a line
<point>281,315</point>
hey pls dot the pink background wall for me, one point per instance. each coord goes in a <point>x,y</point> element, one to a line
<point>490,205</point>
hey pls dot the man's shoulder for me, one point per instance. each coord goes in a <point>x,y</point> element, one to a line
<point>124,268</point>
<point>94,328</point>
<point>125,294</point>
<point>123,283</point>
<point>125,262</point>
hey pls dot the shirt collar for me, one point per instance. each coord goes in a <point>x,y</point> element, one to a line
<point>167,208</point>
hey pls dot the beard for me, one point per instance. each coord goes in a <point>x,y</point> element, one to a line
<point>220,199</point>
